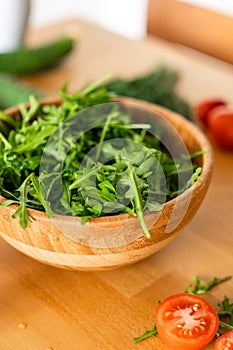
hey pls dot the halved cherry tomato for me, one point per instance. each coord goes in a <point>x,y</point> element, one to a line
<point>225,342</point>
<point>186,322</point>
<point>204,107</point>
<point>221,126</point>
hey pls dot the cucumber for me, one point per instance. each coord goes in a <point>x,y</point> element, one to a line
<point>13,92</point>
<point>30,60</point>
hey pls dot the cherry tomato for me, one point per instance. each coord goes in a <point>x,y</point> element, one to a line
<point>204,107</point>
<point>186,322</point>
<point>225,342</point>
<point>221,126</point>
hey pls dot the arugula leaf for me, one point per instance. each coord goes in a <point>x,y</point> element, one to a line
<point>32,142</point>
<point>28,114</point>
<point>227,309</point>
<point>39,195</point>
<point>21,212</point>
<point>148,333</point>
<point>226,314</point>
<point>201,288</point>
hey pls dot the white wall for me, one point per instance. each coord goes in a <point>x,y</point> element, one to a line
<point>126,17</point>
<point>222,6</point>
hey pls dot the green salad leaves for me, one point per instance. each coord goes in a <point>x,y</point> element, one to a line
<point>61,159</point>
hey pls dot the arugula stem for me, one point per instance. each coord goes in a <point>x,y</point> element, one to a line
<point>181,171</point>
<point>201,288</point>
<point>9,120</point>
<point>96,84</point>
<point>143,224</point>
<point>103,133</point>
<point>216,281</point>
<point>4,140</point>
<point>82,178</point>
<point>225,325</point>
<point>137,200</point>
<point>148,333</point>
<point>36,186</point>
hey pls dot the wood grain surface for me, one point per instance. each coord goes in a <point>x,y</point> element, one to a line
<point>44,308</point>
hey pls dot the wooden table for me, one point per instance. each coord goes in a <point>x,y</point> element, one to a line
<point>46,308</point>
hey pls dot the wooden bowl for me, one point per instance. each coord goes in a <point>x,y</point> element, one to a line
<point>44,241</point>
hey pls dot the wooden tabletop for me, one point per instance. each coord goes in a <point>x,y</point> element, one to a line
<point>47,308</point>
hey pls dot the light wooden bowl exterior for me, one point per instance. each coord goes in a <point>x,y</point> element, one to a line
<point>43,241</point>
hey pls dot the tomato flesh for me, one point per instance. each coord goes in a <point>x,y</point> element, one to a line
<point>221,127</point>
<point>225,342</point>
<point>186,322</point>
<point>204,107</point>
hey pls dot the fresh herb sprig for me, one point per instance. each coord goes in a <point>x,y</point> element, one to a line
<point>225,315</point>
<point>148,333</point>
<point>157,86</point>
<point>200,287</point>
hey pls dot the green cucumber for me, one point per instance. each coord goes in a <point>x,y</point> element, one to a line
<point>13,92</point>
<point>27,60</point>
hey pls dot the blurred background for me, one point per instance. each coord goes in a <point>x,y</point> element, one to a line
<point>201,25</point>
<point>125,17</point>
